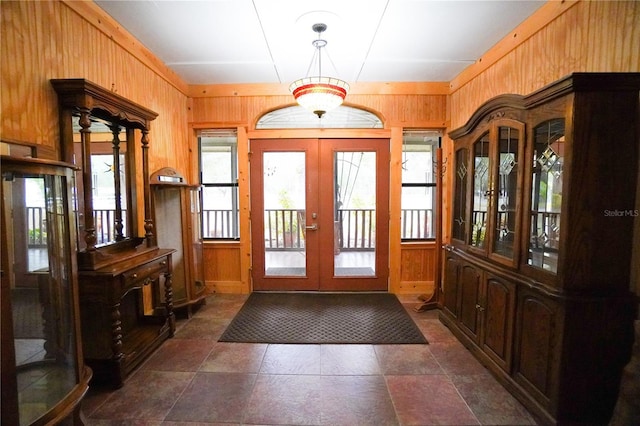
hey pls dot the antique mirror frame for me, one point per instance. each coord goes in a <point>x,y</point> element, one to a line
<point>85,108</point>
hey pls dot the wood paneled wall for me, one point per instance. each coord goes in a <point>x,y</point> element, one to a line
<point>585,36</point>
<point>50,39</point>
<point>564,37</point>
<point>427,110</point>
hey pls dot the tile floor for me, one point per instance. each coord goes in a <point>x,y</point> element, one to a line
<point>194,380</point>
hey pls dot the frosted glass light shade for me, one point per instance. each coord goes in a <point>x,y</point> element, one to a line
<point>319,94</point>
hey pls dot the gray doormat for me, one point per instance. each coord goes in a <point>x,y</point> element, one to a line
<point>349,318</point>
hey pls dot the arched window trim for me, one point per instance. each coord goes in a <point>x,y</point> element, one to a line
<point>296,117</point>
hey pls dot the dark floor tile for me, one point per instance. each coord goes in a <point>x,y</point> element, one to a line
<point>356,400</point>
<point>435,331</point>
<point>349,360</point>
<point>291,359</point>
<point>490,401</point>
<point>203,328</point>
<point>454,358</point>
<point>234,358</point>
<point>213,397</point>
<point>94,398</point>
<point>97,422</point>
<point>221,306</point>
<point>421,315</point>
<point>407,359</point>
<point>169,423</point>
<point>285,399</point>
<point>179,355</point>
<point>146,395</point>
<point>193,380</point>
<point>428,400</point>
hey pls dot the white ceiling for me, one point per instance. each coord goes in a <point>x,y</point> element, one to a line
<point>270,41</point>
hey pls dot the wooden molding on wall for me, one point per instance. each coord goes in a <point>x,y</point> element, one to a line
<point>275,89</point>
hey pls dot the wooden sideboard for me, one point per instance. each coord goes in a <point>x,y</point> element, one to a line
<point>125,290</point>
<point>127,313</point>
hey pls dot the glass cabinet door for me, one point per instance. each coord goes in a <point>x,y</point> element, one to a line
<point>546,195</point>
<point>505,202</point>
<point>481,192</point>
<point>40,333</point>
<point>460,195</point>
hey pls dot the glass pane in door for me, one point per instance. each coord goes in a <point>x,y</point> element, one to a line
<point>284,181</point>
<point>354,213</point>
<point>480,203</point>
<point>459,203</point>
<point>41,292</point>
<point>506,190</point>
<point>546,195</point>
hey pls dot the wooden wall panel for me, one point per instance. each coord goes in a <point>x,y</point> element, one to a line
<point>223,270</point>
<point>590,36</point>
<point>396,110</point>
<point>417,270</point>
<point>48,39</point>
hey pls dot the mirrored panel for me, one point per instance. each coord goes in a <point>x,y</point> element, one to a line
<point>109,190</point>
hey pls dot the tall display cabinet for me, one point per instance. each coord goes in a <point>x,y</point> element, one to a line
<point>537,273</point>
<point>44,377</point>
<point>177,219</point>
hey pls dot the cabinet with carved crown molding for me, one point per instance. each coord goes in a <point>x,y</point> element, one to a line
<point>124,277</point>
<point>537,272</point>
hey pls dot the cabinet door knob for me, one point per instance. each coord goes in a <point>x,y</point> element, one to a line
<point>163,263</point>
<point>134,276</point>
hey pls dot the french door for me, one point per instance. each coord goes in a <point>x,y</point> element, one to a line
<point>320,214</point>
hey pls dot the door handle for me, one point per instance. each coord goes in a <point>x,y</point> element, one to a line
<point>313,227</point>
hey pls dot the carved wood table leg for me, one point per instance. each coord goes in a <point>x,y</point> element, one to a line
<point>116,344</point>
<point>168,297</point>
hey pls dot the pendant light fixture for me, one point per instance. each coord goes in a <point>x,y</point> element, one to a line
<point>319,94</point>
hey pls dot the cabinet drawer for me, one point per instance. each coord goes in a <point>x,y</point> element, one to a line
<point>144,272</point>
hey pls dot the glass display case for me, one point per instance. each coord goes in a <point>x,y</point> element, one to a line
<point>537,283</point>
<point>43,374</point>
<point>177,218</point>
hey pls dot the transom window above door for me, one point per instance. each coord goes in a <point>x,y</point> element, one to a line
<point>297,117</point>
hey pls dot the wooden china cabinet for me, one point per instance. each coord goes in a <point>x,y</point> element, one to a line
<point>44,377</point>
<point>124,277</point>
<point>537,273</point>
<point>177,219</point>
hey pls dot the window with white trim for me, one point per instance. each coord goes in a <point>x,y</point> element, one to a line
<point>418,199</point>
<point>219,178</point>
